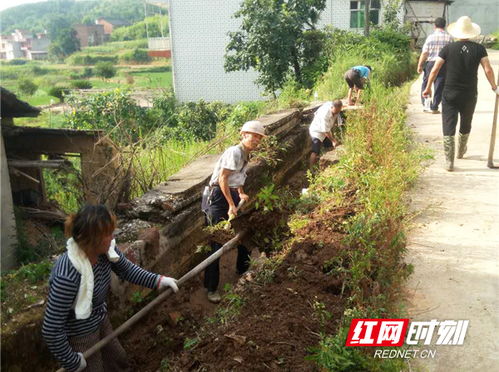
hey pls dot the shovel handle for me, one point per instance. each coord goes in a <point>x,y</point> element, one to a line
<point>490,158</point>
<point>241,202</point>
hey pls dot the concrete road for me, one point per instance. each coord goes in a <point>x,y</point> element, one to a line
<point>454,243</point>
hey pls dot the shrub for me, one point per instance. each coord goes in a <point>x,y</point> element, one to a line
<point>37,70</point>
<point>137,55</point>
<point>87,72</point>
<point>17,62</point>
<point>108,110</point>
<point>81,84</point>
<point>89,59</point>
<point>164,107</point>
<point>105,70</point>
<point>398,41</point>
<point>26,86</point>
<point>200,119</point>
<point>58,92</point>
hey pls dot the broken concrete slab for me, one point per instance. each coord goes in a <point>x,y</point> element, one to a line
<point>190,177</point>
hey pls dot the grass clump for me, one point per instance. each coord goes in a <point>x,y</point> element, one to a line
<point>379,166</point>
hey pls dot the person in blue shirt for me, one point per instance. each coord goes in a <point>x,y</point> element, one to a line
<point>356,78</point>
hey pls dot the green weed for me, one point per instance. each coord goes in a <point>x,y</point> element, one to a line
<point>266,273</point>
<point>230,307</point>
<point>137,297</point>
<point>267,199</point>
<point>320,312</point>
<point>190,343</point>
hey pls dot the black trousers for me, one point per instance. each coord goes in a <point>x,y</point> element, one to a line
<point>439,84</point>
<point>218,211</point>
<point>457,103</point>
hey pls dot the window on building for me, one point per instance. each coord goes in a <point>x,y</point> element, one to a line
<point>357,13</point>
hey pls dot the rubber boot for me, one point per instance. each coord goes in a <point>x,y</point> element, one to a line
<point>449,150</point>
<point>462,142</point>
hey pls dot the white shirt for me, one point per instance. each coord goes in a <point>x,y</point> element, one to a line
<point>234,159</point>
<point>323,121</point>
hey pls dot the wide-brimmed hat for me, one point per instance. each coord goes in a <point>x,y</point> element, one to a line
<point>463,28</point>
<point>253,126</point>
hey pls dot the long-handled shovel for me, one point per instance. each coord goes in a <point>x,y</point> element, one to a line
<point>135,318</point>
<point>231,216</point>
<point>490,161</point>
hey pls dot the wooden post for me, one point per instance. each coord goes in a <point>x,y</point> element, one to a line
<point>490,160</point>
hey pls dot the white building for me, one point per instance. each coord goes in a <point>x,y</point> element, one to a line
<point>199,37</point>
<point>23,44</point>
<point>10,49</point>
<point>198,31</point>
<point>483,12</point>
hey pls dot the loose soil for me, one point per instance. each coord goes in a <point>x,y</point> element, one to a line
<point>276,325</point>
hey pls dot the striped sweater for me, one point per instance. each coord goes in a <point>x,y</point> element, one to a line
<point>60,323</point>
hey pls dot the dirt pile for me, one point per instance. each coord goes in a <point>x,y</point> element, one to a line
<point>267,323</point>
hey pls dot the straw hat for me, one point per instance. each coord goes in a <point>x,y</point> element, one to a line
<point>463,28</point>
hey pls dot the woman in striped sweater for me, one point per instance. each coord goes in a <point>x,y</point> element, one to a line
<point>76,315</point>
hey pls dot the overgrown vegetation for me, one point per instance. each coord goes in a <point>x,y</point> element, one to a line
<point>377,169</point>
<point>157,142</point>
<point>156,26</point>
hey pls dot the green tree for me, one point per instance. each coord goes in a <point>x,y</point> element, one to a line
<point>390,15</point>
<point>64,44</point>
<point>105,70</point>
<point>26,86</point>
<point>64,40</point>
<point>88,20</point>
<point>271,39</point>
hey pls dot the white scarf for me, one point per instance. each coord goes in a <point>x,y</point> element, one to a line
<point>79,259</point>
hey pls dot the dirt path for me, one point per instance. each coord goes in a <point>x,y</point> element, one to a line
<point>454,245</point>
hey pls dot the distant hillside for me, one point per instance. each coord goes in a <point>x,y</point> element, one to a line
<point>156,26</point>
<point>36,17</point>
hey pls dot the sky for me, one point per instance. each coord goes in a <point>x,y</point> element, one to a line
<point>5,4</point>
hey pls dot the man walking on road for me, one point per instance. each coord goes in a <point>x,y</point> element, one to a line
<point>461,59</point>
<point>431,48</point>
<point>226,190</point>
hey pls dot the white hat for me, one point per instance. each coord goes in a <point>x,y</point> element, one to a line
<point>253,126</point>
<point>463,28</point>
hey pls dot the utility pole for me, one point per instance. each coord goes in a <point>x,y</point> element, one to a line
<point>367,8</point>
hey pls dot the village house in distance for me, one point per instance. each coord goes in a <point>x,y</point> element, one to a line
<point>24,44</point>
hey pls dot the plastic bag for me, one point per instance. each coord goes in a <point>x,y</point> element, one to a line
<point>205,199</point>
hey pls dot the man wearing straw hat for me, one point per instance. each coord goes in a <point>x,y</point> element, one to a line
<point>461,59</point>
<point>225,193</point>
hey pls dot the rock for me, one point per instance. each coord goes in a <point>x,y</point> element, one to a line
<point>135,252</point>
<point>130,230</point>
<point>241,340</point>
<point>173,318</point>
<point>159,329</point>
<point>151,238</point>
